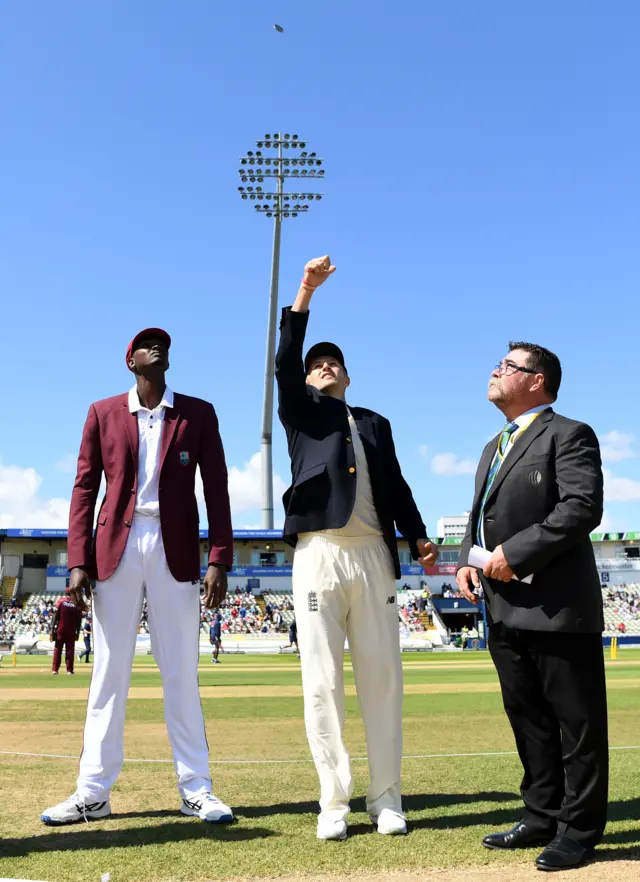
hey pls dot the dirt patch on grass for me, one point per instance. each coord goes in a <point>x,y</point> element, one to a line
<point>268,667</point>
<point>602,870</point>
<point>155,692</point>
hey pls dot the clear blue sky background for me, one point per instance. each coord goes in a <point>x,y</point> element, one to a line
<point>482,184</point>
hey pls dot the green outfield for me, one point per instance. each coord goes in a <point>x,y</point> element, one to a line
<point>460,776</point>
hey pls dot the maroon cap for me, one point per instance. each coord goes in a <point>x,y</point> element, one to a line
<point>148,332</point>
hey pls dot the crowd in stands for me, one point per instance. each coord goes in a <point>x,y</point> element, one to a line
<point>242,615</point>
<point>15,619</point>
<point>449,591</point>
<point>411,611</point>
<point>240,611</point>
<point>621,608</point>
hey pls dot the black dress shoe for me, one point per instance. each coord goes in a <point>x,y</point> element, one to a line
<point>520,836</point>
<point>563,854</point>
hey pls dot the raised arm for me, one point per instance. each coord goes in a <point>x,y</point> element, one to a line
<point>290,375</point>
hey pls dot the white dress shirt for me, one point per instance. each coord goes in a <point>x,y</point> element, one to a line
<point>149,435</point>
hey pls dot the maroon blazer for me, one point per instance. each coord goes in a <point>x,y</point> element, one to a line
<point>190,437</point>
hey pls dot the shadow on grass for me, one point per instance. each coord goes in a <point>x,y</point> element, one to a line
<point>99,836</point>
<point>622,843</point>
<point>625,810</point>
<point>618,844</point>
<point>414,802</point>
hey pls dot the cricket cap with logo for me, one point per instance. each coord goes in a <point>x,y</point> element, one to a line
<point>148,332</point>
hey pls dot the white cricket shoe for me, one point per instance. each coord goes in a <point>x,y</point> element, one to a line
<point>207,807</point>
<point>330,828</point>
<point>75,809</point>
<point>389,823</point>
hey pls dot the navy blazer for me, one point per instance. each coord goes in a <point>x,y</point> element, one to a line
<point>543,504</point>
<point>323,488</point>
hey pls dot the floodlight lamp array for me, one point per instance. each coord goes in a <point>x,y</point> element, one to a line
<point>258,168</point>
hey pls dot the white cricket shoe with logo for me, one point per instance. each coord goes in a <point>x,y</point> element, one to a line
<point>76,808</point>
<point>207,807</point>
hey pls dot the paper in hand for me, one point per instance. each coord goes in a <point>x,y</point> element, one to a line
<point>479,557</point>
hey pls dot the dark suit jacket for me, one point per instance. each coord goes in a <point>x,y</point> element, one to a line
<point>110,445</point>
<point>544,502</point>
<point>323,489</point>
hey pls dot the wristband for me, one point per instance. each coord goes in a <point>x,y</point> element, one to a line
<point>308,285</point>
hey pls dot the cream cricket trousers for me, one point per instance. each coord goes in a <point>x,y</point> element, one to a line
<point>346,587</point>
<point>174,625</point>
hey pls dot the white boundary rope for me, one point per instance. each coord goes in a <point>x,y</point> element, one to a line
<point>285,762</point>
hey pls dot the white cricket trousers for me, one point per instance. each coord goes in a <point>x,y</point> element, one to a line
<point>174,624</point>
<point>347,587</point>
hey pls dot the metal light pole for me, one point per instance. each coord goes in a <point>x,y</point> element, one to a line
<point>276,168</point>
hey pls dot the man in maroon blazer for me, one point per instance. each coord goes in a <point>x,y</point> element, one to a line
<point>148,443</point>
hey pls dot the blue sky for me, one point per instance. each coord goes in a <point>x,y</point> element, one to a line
<point>482,184</point>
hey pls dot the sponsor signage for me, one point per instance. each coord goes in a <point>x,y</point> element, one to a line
<point>617,563</point>
<point>438,570</point>
<point>26,533</point>
<point>240,572</point>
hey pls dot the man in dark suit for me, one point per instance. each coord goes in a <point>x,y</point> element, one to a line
<point>538,495</point>
<point>346,498</point>
<point>147,443</point>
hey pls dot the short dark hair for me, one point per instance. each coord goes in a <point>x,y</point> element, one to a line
<point>542,361</point>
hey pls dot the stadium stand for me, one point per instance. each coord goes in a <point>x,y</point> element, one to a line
<point>7,588</point>
<point>247,617</point>
<point>34,616</point>
<point>622,609</point>
<point>243,615</point>
<point>283,603</point>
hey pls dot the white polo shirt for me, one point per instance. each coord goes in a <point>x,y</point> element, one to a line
<point>149,435</point>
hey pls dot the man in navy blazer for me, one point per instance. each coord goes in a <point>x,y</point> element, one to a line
<point>346,498</point>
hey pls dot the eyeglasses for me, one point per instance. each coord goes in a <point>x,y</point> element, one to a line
<point>509,368</point>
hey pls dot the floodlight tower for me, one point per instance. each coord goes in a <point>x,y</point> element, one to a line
<point>301,170</point>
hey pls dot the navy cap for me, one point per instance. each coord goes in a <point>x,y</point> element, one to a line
<point>320,349</point>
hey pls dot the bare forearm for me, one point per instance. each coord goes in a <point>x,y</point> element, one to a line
<point>316,273</point>
<point>303,299</point>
